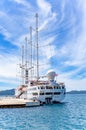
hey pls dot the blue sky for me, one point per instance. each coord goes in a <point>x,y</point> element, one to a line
<point>62,24</point>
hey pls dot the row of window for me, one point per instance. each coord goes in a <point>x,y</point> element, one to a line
<point>50,87</point>
<point>47,87</point>
<point>47,93</point>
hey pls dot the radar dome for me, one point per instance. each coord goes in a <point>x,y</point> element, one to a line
<point>51,74</point>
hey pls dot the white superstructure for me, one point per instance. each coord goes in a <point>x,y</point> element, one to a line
<point>33,87</point>
<point>48,91</point>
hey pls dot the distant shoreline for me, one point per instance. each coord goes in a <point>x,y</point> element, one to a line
<point>77,92</point>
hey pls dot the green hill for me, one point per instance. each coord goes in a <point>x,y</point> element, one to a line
<point>10,92</point>
<point>77,92</point>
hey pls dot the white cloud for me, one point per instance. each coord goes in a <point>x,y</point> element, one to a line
<point>73,51</point>
<point>44,6</point>
<point>2,14</point>
<point>5,32</point>
<point>8,65</point>
<point>23,2</point>
<point>48,49</point>
<point>72,84</point>
<point>20,1</point>
<point>48,17</point>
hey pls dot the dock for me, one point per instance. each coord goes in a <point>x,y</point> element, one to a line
<point>17,103</point>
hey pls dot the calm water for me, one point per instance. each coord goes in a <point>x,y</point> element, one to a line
<point>69,115</point>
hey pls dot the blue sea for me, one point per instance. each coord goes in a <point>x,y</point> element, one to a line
<point>68,115</point>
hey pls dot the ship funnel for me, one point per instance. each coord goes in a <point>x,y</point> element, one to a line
<point>51,75</point>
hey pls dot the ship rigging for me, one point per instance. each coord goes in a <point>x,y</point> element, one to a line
<point>32,87</point>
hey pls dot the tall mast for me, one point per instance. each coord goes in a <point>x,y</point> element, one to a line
<point>37,45</point>
<point>22,66</point>
<point>31,50</point>
<point>26,63</point>
<point>26,51</point>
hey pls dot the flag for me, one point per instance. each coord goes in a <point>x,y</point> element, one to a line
<point>56,74</point>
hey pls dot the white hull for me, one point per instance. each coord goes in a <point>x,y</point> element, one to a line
<point>44,93</point>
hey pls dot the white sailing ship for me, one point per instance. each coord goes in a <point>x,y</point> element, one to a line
<point>42,88</point>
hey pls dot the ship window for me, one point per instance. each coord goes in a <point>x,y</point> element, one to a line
<point>56,87</point>
<point>42,87</point>
<point>41,93</point>
<point>35,93</point>
<point>56,93</point>
<point>49,93</point>
<point>31,83</point>
<point>49,87</point>
<point>62,87</point>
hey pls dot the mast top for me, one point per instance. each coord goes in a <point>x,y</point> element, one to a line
<point>36,15</point>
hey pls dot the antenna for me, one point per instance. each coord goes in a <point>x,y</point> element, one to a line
<point>37,45</point>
